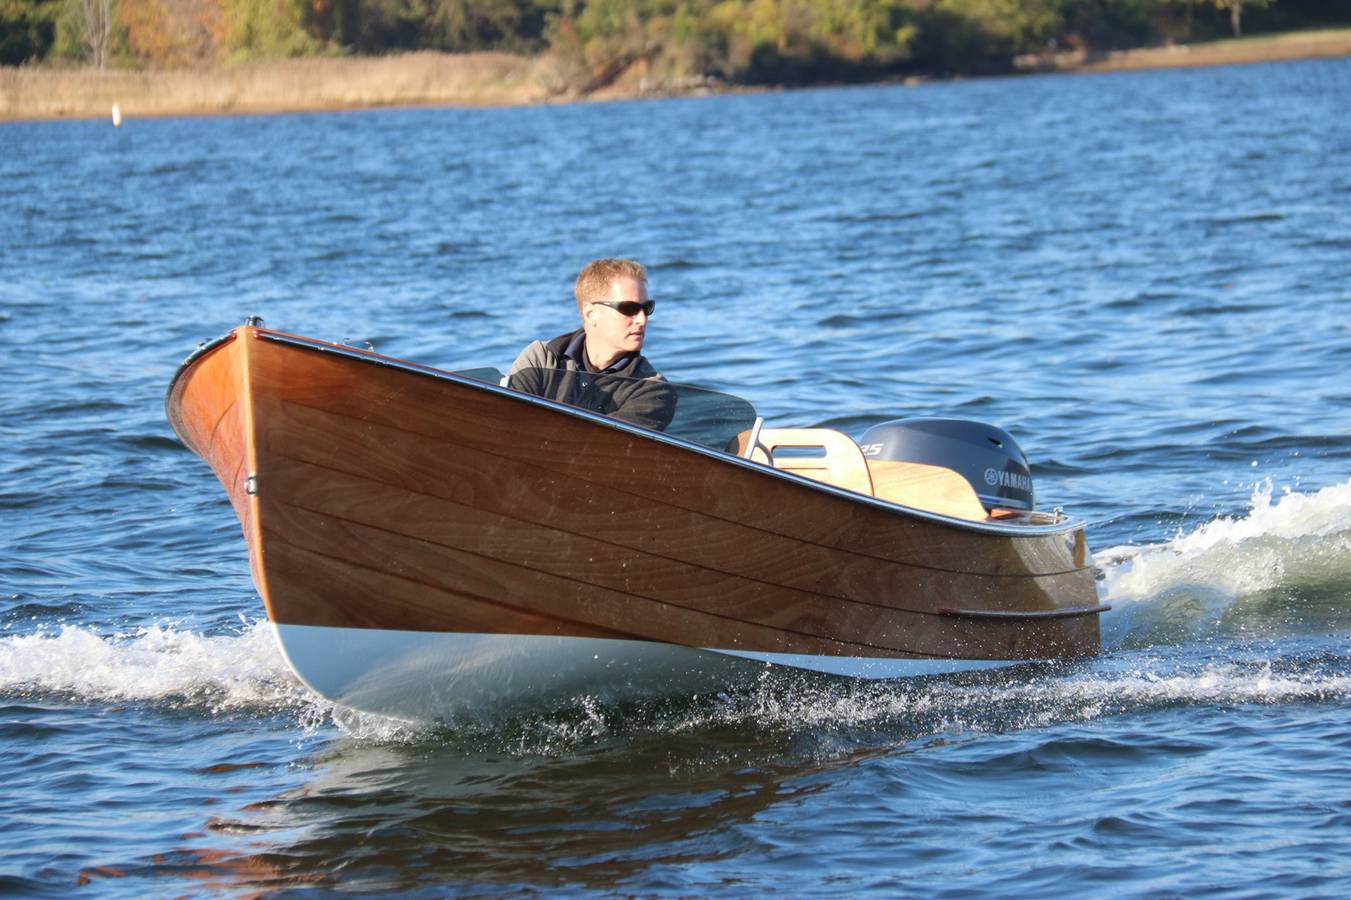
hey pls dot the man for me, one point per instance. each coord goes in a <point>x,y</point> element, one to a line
<point>599,366</point>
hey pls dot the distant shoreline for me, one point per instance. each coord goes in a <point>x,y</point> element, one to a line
<point>485,79</point>
<point>1264,48</point>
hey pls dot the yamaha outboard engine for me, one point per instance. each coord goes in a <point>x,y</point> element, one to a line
<point>986,456</point>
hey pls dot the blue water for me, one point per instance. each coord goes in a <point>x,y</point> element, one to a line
<point>1146,277</point>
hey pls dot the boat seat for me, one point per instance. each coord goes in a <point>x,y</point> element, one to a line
<point>821,453</point>
<point>833,457</point>
<point>933,488</point>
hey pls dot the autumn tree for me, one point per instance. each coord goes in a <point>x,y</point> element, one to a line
<point>172,32</point>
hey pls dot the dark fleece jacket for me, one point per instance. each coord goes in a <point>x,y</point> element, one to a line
<point>634,392</point>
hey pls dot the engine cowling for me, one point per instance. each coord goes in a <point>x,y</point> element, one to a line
<point>986,456</point>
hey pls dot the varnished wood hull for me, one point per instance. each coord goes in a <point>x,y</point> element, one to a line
<point>381,497</point>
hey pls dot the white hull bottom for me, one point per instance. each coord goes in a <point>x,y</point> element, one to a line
<point>426,676</point>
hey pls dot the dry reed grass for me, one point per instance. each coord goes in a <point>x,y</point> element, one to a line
<point>474,79</point>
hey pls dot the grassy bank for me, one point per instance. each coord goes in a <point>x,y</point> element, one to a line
<point>1266,48</point>
<point>293,85</point>
<point>480,79</point>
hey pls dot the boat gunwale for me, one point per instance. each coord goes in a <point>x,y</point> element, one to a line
<point>1068,524</point>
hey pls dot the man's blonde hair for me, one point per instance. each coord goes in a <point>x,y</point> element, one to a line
<point>594,281</point>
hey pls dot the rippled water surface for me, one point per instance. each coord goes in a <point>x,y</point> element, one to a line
<point>1143,276</point>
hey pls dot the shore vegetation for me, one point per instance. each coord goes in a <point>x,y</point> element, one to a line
<point>73,57</point>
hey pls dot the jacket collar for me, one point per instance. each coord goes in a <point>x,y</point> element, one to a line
<point>573,346</point>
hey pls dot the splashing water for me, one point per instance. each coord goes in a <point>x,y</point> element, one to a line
<point>159,664</point>
<point>223,672</point>
<point>822,718</point>
<point>1283,568</point>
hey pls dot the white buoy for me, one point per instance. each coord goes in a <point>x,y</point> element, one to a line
<point>117,116</point>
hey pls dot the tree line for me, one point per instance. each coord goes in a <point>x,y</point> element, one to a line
<point>676,41</point>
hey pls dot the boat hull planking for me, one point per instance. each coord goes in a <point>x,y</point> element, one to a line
<point>380,497</point>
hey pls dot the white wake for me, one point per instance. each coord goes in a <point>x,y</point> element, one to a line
<point>1292,550</point>
<point>159,664</point>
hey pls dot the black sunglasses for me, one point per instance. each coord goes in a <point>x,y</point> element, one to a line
<point>629,307</point>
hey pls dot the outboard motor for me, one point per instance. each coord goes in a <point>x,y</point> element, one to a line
<point>987,457</point>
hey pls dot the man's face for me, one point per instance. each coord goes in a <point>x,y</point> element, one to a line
<point>612,332</point>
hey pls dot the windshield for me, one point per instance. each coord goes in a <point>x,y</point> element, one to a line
<point>489,374</point>
<point>695,414</point>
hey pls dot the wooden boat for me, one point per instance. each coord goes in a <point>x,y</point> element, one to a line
<point>430,545</point>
